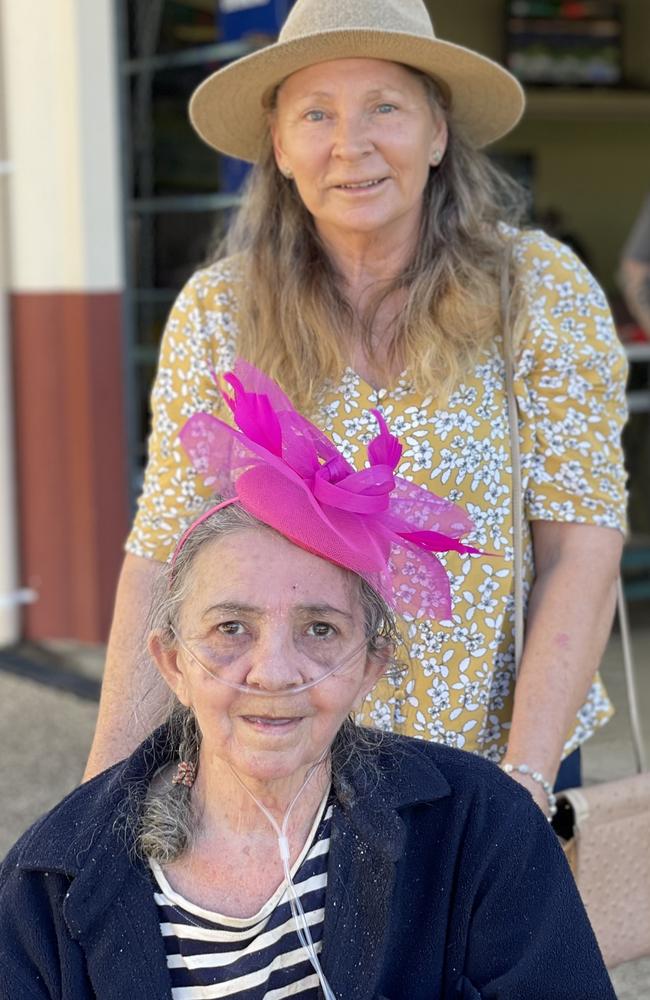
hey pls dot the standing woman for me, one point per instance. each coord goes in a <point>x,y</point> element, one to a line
<point>364,271</point>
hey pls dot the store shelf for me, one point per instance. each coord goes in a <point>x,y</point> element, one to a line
<point>638,401</point>
<point>147,296</point>
<point>635,568</point>
<point>206,6</point>
<point>638,351</point>
<point>184,203</point>
<point>591,104</point>
<point>196,56</point>
<point>145,354</point>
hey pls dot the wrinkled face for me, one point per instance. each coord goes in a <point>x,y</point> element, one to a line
<point>269,616</point>
<point>359,137</point>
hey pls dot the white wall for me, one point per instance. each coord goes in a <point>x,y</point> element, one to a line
<point>61,105</point>
<point>9,614</point>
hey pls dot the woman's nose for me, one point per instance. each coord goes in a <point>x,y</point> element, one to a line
<point>351,137</point>
<point>274,662</point>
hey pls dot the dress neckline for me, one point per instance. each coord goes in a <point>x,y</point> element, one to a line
<point>180,902</point>
<point>379,392</point>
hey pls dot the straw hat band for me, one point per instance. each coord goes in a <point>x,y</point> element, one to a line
<point>228,112</point>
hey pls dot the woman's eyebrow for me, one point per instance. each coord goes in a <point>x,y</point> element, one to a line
<point>314,95</point>
<point>324,609</point>
<point>382,91</point>
<point>232,608</point>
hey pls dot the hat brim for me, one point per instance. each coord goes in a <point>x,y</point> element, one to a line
<point>227,109</point>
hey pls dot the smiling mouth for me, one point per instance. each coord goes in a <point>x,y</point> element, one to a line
<point>361,186</point>
<point>267,721</point>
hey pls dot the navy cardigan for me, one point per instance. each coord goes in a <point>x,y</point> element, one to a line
<point>444,882</point>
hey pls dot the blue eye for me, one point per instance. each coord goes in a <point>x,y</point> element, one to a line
<point>384,109</point>
<point>315,116</point>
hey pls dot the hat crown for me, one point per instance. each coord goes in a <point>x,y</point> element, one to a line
<point>308,17</point>
<point>229,109</point>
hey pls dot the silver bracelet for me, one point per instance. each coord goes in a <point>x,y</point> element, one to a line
<point>540,779</point>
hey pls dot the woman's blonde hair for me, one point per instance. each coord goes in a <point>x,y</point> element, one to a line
<point>295,320</point>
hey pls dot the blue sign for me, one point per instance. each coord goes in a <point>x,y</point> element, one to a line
<point>238,18</point>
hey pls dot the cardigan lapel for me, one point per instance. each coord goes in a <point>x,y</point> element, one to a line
<point>111,912</point>
<point>124,950</point>
<point>110,908</point>
<point>367,842</point>
<point>360,883</point>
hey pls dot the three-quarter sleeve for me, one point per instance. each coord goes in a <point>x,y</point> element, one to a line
<point>199,339</point>
<point>570,385</point>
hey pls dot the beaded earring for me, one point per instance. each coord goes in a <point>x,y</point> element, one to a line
<point>185,774</point>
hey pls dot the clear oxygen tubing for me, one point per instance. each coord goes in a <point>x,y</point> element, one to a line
<point>336,668</point>
<point>302,927</point>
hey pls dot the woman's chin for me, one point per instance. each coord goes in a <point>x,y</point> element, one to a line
<point>270,767</point>
<point>272,757</point>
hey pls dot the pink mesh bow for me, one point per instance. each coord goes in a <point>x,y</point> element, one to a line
<point>284,471</point>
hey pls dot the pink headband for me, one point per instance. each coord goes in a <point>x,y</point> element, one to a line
<point>286,473</point>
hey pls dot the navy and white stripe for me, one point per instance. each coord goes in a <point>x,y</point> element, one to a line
<point>260,957</point>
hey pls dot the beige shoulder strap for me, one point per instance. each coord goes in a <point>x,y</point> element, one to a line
<point>515,457</point>
<point>518,525</point>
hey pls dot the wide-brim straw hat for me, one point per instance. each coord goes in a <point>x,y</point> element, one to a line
<point>229,110</point>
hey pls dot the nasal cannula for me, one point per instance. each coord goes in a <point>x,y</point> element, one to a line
<point>296,689</point>
<point>302,927</point>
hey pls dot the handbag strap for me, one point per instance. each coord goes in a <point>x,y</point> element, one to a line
<point>518,525</point>
<point>513,425</point>
<point>630,680</point>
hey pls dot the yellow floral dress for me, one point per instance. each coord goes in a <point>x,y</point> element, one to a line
<point>570,385</point>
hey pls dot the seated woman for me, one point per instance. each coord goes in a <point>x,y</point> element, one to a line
<point>259,844</point>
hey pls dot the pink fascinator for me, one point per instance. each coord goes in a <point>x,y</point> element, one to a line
<point>287,473</point>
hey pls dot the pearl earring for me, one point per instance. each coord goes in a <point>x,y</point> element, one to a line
<point>436,158</point>
<point>288,173</point>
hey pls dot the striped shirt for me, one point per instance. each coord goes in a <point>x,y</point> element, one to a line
<point>210,955</point>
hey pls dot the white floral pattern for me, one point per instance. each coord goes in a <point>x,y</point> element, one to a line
<point>570,383</point>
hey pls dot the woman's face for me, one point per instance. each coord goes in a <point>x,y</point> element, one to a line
<point>269,616</point>
<point>359,137</point>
